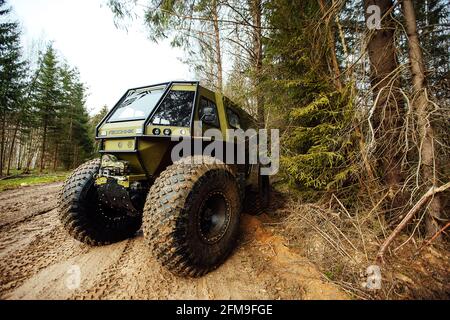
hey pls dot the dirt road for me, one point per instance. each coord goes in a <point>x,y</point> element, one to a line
<point>38,260</point>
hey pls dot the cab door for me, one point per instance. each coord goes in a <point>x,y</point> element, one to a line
<point>208,113</point>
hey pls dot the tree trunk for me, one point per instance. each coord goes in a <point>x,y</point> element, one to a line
<point>30,154</point>
<point>342,38</point>
<point>388,112</point>
<point>256,8</point>
<point>20,155</point>
<point>11,149</point>
<point>72,154</point>
<point>55,158</point>
<point>420,105</point>
<point>44,140</point>
<point>331,47</point>
<point>218,52</point>
<point>75,157</point>
<point>2,144</point>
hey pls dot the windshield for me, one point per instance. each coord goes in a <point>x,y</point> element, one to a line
<point>137,105</point>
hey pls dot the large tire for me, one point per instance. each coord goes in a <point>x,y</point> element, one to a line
<point>84,217</point>
<point>191,217</point>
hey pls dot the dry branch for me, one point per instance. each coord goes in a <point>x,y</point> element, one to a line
<point>432,191</point>
<point>433,238</point>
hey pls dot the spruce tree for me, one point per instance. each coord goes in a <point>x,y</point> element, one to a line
<point>77,143</point>
<point>318,144</point>
<point>47,100</point>
<point>93,122</point>
<point>12,79</point>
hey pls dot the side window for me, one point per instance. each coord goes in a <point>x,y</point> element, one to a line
<point>208,112</point>
<point>233,119</point>
<point>175,110</point>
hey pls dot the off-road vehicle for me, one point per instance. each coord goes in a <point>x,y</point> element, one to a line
<point>189,209</point>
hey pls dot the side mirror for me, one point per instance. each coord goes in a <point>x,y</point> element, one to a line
<point>208,116</point>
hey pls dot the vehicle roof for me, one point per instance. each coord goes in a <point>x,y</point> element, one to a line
<point>196,82</point>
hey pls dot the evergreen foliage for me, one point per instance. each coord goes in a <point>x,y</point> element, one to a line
<point>12,78</point>
<point>318,145</point>
<point>43,117</point>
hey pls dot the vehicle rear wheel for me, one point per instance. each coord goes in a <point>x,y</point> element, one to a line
<point>191,217</point>
<point>83,215</point>
<point>256,201</point>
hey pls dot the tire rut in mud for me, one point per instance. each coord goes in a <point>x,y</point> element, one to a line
<point>105,282</point>
<point>16,206</point>
<point>42,243</point>
<point>27,230</point>
<point>36,253</point>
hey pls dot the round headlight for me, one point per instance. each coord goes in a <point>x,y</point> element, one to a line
<point>156,131</point>
<point>167,132</point>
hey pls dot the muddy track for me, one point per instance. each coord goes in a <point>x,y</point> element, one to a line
<point>37,259</point>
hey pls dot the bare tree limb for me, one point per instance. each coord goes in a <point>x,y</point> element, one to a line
<point>432,238</point>
<point>431,192</point>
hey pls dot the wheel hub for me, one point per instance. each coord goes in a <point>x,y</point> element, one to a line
<point>214,217</point>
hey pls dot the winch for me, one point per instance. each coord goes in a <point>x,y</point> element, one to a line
<point>116,191</point>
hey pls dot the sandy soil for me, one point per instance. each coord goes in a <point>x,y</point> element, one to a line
<point>38,259</point>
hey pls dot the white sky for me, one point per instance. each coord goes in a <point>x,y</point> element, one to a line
<point>110,60</point>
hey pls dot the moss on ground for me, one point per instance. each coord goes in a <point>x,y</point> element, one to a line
<point>31,179</point>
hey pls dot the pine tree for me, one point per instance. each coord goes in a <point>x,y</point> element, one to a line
<point>47,100</point>
<point>93,122</point>
<point>68,100</point>
<point>12,81</point>
<point>78,123</point>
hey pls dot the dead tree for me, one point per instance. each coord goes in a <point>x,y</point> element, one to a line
<point>420,104</point>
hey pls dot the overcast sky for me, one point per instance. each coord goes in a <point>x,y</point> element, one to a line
<point>110,60</point>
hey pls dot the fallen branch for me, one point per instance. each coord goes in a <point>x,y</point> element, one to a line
<point>432,191</point>
<point>433,237</point>
<point>10,177</point>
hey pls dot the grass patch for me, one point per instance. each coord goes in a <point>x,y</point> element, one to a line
<point>31,179</point>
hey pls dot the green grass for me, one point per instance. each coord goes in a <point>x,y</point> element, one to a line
<point>32,179</point>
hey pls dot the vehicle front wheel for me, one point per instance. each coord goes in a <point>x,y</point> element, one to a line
<point>191,216</point>
<point>83,215</point>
